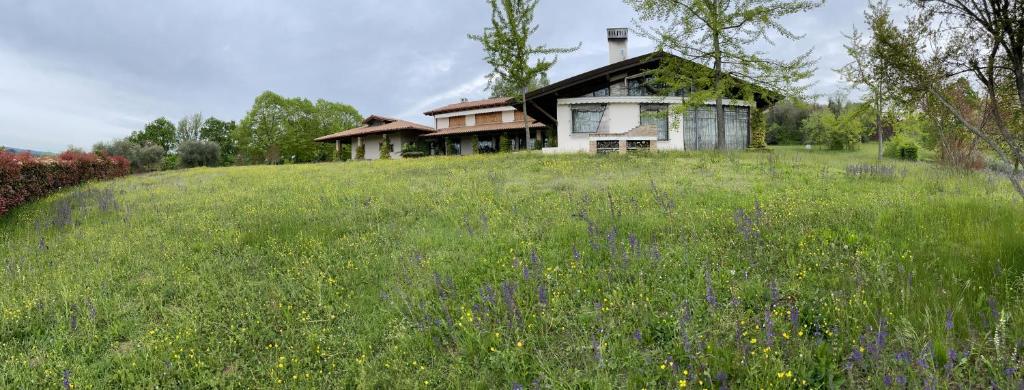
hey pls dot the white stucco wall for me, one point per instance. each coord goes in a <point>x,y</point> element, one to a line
<point>373,141</point>
<point>622,114</point>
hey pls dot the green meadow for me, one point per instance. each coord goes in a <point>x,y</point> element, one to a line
<point>790,269</point>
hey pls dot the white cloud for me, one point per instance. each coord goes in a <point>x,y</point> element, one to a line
<point>46,106</point>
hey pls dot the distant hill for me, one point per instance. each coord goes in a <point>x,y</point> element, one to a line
<point>32,152</point>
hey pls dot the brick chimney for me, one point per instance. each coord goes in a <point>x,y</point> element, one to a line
<point>618,44</point>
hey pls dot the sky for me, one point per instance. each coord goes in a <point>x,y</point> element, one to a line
<point>77,72</point>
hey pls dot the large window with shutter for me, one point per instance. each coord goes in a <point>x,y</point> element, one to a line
<point>655,115</point>
<point>587,119</point>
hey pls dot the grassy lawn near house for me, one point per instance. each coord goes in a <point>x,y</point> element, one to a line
<point>755,270</point>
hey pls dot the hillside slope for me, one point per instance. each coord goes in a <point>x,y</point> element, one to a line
<point>668,270</point>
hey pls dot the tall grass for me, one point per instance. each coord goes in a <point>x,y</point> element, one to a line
<point>785,270</point>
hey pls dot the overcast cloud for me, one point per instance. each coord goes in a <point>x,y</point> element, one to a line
<point>75,72</point>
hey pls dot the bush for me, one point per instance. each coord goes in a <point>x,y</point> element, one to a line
<point>504,144</point>
<point>24,178</point>
<point>142,159</point>
<point>386,148</point>
<point>836,133</point>
<point>476,144</point>
<point>758,129</point>
<point>902,147</point>
<point>361,152</point>
<point>169,163</point>
<point>413,150</point>
<point>198,154</point>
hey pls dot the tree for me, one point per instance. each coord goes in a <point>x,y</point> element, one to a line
<point>508,50</point>
<point>784,119</point>
<point>718,34</point>
<point>221,133</point>
<point>160,132</point>
<point>189,128</point>
<point>279,128</point>
<point>500,88</point>
<point>867,70</point>
<point>836,132</point>
<point>982,40</point>
<point>142,158</point>
<point>198,154</point>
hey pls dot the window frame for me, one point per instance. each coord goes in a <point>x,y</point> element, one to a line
<point>658,108</point>
<point>590,108</point>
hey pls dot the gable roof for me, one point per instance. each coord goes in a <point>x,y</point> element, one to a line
<point>389,125</point>
<point>545,99</point>
<point>485,128</point>
<point>470,105</point>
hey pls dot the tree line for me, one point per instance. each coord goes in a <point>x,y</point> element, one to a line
<point>275,130</point>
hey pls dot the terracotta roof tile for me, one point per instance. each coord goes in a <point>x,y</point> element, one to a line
<point>391,125</point>
<point>484,128</point>
<point>473,105</point>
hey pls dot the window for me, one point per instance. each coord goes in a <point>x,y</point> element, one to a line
<point>603,92</point>
<point>639,86</point>
<point>655,115</point>
<point>638,146</point>
<point>607,147</point>
<point>587,119</point>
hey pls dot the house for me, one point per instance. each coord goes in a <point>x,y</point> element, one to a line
<point>371,136</point>
<point>614,108</point>
<point>481,122</point>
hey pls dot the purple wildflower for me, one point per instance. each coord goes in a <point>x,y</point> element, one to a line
<point>769,326</point>
<point>887,380</point>
<point>709,295</point>
<point>950,360</point>
<point>516,386</point>
<point>508,291</point>
<point>596,346</point>
<point>488,295</point>
<point>794,317</point>
<point>67,379</point>
<point>633,243</point>
<point>883,334</point>
<point>637,336</point>
<point>1010,372</point>
<point>903,356</point>
<point>773,292</point>
<point>901,380</point>
<point>949,320</point>
<point>655,253</point>
<point>534,259</point>
<point>575,253</point>
<point>542,294</point>
<point>612,238</point>
<point>993,305</point>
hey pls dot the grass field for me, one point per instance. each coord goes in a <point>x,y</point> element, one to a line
<point>750,270</point>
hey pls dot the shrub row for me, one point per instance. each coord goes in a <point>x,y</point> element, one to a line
<point>24,178</point>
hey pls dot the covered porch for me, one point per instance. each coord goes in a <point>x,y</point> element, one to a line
<point>487,138</point>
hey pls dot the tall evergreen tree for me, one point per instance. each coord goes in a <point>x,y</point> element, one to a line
<point>508,50</point>
<point>719,34</point>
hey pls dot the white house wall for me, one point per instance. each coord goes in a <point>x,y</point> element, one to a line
<point>372,145</point>
<point>622,114</point>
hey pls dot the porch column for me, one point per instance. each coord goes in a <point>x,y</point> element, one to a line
<point>337,145</point>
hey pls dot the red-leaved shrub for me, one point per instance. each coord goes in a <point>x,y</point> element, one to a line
<point>24,178</point>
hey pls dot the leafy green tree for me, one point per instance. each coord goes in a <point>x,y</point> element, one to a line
<point>784,122</point>
<point>842,132</point>
<point>502,89</point>
<point>160,132</point>
<point>867,70</point>
<point>508,50</point>
<point>720,35</point>
<point>198,154</point>
<point>189,128</point>
<point>278,128</point>
<point>982,40</point>
<point>221,133</point>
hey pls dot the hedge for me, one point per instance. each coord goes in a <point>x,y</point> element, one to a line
<point>24,178</point>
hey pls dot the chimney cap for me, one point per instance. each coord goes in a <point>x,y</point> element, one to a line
<point>618,33</point>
